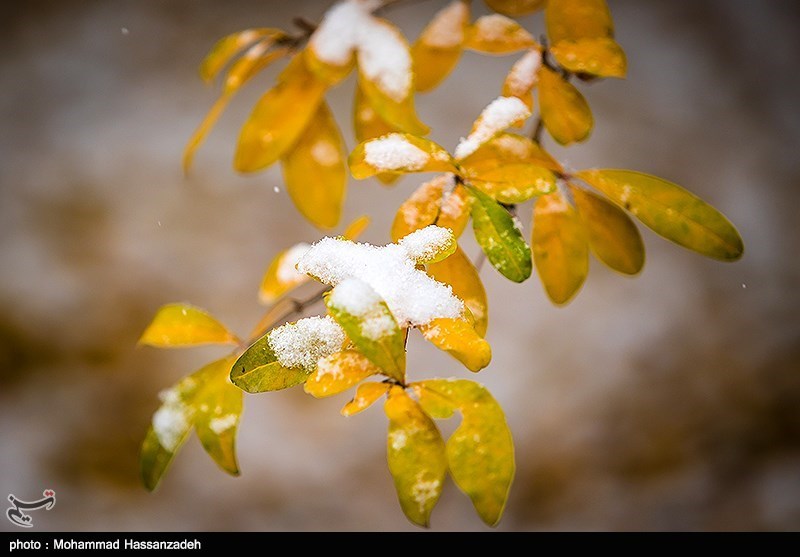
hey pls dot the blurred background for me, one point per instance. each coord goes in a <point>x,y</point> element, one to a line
<point>668,401</point>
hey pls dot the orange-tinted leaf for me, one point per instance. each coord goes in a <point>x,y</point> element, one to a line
<point>356,228</point>
<point>324,71</point>
<point>279,118</point>
<point>227,47</point>
<point>176,325</point>
<point>399,153</point>
<point>602,57</point>
<point>281,275</point>
<point>459,272</point>
<point>613,237</point>
<point>459,339</point>
<point>416,456</point>
<point>366,395</point>
<point>570,20</point>
<point>670,211</point>
<point>455,210</point>
<point>564,111</point>
<point>515,8</point>
<point>315,172</point>
<point>369,125</point>
<point>497,34</point>
<point>438,48</point>
<point>338,372</point>
<point>421,209</point>
<point>560,248</point>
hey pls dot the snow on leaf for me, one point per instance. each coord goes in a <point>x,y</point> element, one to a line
<point>462,276</point>
<point>398,153</point>
<point>370,325</point>
<point>429,244</point>
<point>523,76</point>
<point>500,114</point>
<point>422,208</point>
<point>413,297</point>
<point>497,34</point>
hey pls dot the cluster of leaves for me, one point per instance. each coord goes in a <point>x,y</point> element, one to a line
<point>479,454</point>
<point>484,181</point>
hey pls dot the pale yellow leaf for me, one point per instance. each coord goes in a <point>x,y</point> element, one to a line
<point>366,395</point>
<point>176,325</point>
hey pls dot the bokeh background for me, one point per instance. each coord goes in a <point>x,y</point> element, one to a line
<point>669,401</point>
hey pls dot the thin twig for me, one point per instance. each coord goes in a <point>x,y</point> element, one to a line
<point>279,312</point>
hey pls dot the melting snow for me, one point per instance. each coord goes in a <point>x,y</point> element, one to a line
<point>223,423</point>
<point>171,420</point>
<point>287,272</point>
<point>446,29</point>
<point>523,76</point>
<point>424,244</point>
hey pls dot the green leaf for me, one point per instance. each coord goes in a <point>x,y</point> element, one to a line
<point>257,370</point>
<point>480,453</point>
<point>369,324</point>
<point>416,456</point>
<point>671,211</point>
<point>560,248</point>
<point>499,237</point>
<point>613,237</point>
<point>178,325</point>
<point>154,459</point>
<point>338,372</point>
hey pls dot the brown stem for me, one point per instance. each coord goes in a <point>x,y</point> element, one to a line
<point>282,310</point>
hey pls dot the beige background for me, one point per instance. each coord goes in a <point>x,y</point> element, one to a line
<point>670,401</point>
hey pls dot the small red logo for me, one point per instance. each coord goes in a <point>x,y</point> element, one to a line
<point>49,492</point>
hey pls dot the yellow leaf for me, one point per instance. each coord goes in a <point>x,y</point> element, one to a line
<point>254,60</point>
<point>205,400</point>
<point>455,209</point>
<point>515,8</point>
<point>227,47</point>
<point>459,272</point>
<point>507,149</point>
<point>601,56</point>
<point>523,76</point>
<point>514,183</point>
<point>398,153</point>
<point>421,209</point>
<point>438,48</point>
<point>480,453</point>
<point>338,372</point>
<point>560,248</point>
<point>416,456</point>
<point>564,111</point>
<point>279,118</point>
<point>366,395</point>
<point>356,227</point>
<point>497,34</point>
<point>218,409</point>
<point>281,275</point>
<point>460,340</point>
<point>613,237</point>
<point>671,211</point>
<point>327,72</point>
<point>315,172</point>
<point>177,325</point>
<point>570,20</point>
<point>388,84</point>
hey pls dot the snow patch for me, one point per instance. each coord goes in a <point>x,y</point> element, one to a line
<point>500,114</point>
<point>302,343</point>
<point>394,152</point>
